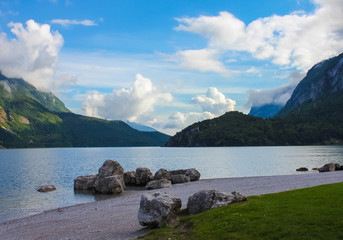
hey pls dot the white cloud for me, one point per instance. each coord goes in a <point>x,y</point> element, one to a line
<point>254,71</point>
<point>6,86</point>
<point>32,55</point>
<point>298,40</point>
<point>214,102</point>
<point>126,104</point>
<point>68,22</point>
<point>182,120</point>
<point>275,96</point>
<point>204,60</point>
<point>64,80</point>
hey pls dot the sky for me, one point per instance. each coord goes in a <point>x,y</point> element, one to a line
<point>167,64</point>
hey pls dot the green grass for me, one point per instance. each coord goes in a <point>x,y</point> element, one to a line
<point>312,213</point>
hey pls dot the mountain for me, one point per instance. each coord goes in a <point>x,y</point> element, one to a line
<point>323,79</point>
<point>140,127</point>
<point>47,99</point>
<point>312,116</point>
<point>265,111</point>
<point>31,118</point>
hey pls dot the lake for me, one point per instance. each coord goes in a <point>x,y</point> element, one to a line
<point>23,170</point>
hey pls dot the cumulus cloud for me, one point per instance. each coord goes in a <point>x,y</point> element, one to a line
<point>214,102</point>
<point>68,22</point>
<point>276,96</point>
<point>126,104</point>
<point>255,71</point>
<point>204,60</point>
<point>298,39</point>
<point>181,120</point>
<point>32,55</point>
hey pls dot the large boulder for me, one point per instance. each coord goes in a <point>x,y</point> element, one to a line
<point>192,173</point>
<point>329,167</point>
<point>162,174</point>
<point>156,184</point>
<point>180,178</point>
<point>158,209</point>
<point>111,168</point>
<point>110,178</point>
<point>130,178</point>
<point>143,176</point>
<point>110,185</point>
<point>84,182</point>
<point>208,199</point>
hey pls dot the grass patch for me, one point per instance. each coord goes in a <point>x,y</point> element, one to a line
<point>311,213</point>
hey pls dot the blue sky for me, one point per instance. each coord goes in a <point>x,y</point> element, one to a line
<point>167,64</point>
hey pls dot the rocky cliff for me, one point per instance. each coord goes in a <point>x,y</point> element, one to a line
<point>323,79</point>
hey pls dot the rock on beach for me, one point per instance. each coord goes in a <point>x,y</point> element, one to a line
<point>208,199</point>
<point>143,176</point>
<point>130,178</point>
<point>162,173</point>
<point>156,184</point>
<point>158,209</point>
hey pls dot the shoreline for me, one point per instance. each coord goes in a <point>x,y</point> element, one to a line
<point>116,218</point>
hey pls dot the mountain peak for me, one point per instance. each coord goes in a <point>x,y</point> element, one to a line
<point>323,78</point>
<point>45,98</point>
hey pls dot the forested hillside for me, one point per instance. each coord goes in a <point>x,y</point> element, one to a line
<point>312,116</point>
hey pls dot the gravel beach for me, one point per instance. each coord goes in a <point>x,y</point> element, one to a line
<point>116,218</point>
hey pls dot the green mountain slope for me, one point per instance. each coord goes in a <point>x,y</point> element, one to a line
<point>25,122</point>
<point>47,99</point>
<point>312,116</point>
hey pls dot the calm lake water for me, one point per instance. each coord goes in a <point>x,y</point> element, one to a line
<point>23,170</point>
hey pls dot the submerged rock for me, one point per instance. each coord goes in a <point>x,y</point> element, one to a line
<point>156,184</point>
<point>46,188</point>
<point>208,199</point>
<point>302,169</point>
<point>158,209</point>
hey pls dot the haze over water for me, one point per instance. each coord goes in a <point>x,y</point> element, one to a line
<point>23,170</point>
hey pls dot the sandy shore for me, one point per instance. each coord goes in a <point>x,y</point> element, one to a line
<point>116,218</point>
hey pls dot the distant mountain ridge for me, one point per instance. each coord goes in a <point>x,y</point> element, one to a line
<point>312,116</point>
<point>140,127</point>
<point>31,118</point>
<point>265,111</point>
